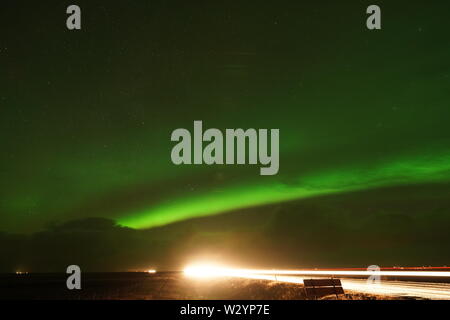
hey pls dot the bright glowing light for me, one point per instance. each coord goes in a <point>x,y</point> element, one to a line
<point>356,273</point>
<point>210,271</point>
<point>207,271</point>
<point>21,272</point>
<point>151,271</point>
<point>389,287</point>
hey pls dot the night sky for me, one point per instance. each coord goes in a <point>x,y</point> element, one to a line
<point>86,118</point>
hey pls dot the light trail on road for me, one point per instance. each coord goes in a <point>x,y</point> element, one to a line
<point>212,270</point>
<point>393,288</point>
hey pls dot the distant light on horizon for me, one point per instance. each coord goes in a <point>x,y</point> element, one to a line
<point>21,272</point>
<point>151,271</point>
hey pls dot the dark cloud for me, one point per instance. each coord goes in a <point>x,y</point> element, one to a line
<point>357,229</point>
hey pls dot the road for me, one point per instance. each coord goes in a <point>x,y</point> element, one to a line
<point>422,290</point>
<point>425,290</point>
<point>434,282</point>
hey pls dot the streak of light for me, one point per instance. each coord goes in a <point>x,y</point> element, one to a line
<point>392,288</point>
<point>205,271</point>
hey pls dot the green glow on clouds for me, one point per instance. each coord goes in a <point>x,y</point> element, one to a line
<point>418,169</point>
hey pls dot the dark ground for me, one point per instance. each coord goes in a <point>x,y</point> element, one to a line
<point>144,286</point>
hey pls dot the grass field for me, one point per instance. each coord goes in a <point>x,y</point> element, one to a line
<point>144,286</point>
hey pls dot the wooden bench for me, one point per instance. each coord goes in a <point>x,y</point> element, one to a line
<point>315,288</point>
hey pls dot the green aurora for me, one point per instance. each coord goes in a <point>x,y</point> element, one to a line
<point>86,116</point>
<point>415,170</point>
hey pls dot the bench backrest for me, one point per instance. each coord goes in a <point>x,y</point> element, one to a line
<point>322,287</point>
